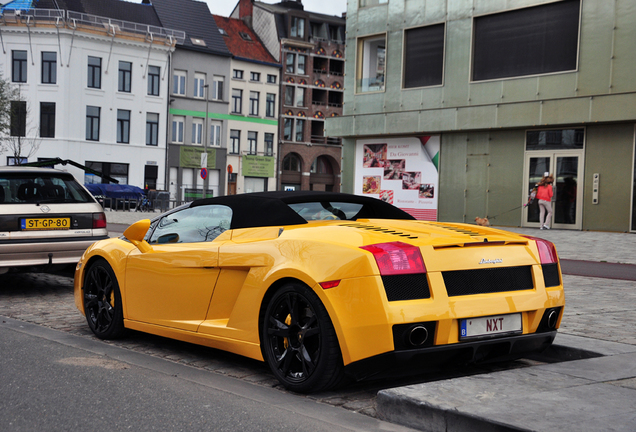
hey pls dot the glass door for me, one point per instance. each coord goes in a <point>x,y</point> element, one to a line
<point>567,169</point>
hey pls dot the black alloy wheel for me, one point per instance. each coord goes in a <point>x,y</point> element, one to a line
<point>299,342</point>
<point>102,301</point>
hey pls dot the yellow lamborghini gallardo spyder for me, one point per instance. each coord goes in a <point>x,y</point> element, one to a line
<point>324,287</point>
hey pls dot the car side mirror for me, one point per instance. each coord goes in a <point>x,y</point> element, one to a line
<point>136,232</point>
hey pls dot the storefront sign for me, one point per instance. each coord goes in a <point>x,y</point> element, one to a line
<point>400,171</point>
<point>258,166</point>
<point>190,157</point>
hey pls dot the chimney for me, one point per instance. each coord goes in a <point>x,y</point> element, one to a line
<point>245,11</point>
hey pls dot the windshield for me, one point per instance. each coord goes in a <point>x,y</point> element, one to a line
<point>326,210</point>
<point>20,188</point>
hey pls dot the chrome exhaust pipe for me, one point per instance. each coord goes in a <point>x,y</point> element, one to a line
<point>553,317</point>
<point>417,335</point>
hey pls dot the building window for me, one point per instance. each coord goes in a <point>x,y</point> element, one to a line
<point>151,173</point>
<point>555,139</point>
<point>297,27</point>
<point>118,171</point>
<point>366,3</point>
<point>47,119</point>
<point>197,131</point>
<point>424,56</point>
<point>215,134</point>
<point>217,88</point>
<point>289,95</point>
<point>19,70</point>
<point>321,165</point>
<point>530,41</point>
<point>290,63</point>
<point>287,130</point>
<point>255,76</point>
<point>237,73</point>
<point>94,72</point>
<point>300,97</point>
<point>300,67</point>
<point>335,33</point>
<point>371,64</point>
<point>152,129</point>
<point>92,123</point>
<point>237,101</point>
<point>49,67</point>
<point>12,160</point>
<point>251,142</point>
<point>300,125</point>
<point>153,80</point>
<point>291,163</point>
<point>270,105</point>
<point>179,83</point>
<point>123,126</point>
<point>199,83</point>
<point>177,129</point>
<point>235,141</point>
<point>254,97</point>
<point>271,79</point>
<point>125,76</point>
<point>269,144</point>
<point>18,118</point>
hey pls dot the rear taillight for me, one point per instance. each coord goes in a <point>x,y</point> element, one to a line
<point>397,258</point>
<point>99,220</point>
<point>547,251</point>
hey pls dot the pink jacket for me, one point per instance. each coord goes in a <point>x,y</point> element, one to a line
<point>544,193</point>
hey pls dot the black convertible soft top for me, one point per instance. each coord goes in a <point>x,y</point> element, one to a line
<point>263,209</point>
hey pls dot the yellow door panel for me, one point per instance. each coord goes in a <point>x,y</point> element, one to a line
<point>172,285</point>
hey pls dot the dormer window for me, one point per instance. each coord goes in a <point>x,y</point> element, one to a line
<point>297,27</point>
<point>197,41</point>
<point>245,36</point>
<point>223,32</point>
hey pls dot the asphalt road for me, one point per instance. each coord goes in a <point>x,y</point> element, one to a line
<point>47,301</point>
<point>55,381</point>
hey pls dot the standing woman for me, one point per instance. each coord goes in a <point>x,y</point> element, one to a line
<point>544,195</point>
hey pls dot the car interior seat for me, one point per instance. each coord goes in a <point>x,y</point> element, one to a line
<point>28,191</point>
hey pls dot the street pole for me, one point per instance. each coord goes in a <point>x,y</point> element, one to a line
<point>205,139</point>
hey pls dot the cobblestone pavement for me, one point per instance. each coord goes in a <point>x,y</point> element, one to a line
<point>596,308</point>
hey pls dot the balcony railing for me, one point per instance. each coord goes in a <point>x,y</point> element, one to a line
<point>317,139</point>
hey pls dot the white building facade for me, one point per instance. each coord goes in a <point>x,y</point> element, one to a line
<point>96,92</point>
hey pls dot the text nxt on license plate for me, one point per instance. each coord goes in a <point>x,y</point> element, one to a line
<point>492,325</point>
<point>45,224</point>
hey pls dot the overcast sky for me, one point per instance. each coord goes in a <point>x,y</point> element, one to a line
<point>329,7</point>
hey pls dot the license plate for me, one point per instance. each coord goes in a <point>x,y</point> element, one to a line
<point>490,326</point>
<point>45,224</point>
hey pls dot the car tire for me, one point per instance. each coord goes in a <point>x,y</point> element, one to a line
<point>102,301</point>
<point>299,342</point>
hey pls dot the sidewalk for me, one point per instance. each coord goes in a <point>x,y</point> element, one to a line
<point>595,392</point>
<point>590,394</point>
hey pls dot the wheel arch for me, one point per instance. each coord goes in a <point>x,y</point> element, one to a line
<point>278,284</point>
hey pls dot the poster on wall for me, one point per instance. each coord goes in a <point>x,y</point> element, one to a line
<point>400,171</point>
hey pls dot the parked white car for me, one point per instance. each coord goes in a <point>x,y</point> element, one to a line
<point>47,219</point>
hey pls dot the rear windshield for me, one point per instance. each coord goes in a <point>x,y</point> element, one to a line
<point>327,210</point>
<point>22,188</point>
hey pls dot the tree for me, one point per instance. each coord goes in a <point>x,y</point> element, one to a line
<point>7,94</point>
<point>17,136</point>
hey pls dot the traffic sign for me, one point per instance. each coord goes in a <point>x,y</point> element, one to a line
<point>204,173</point>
